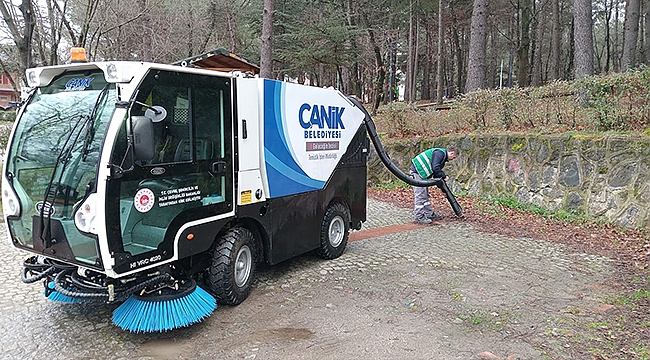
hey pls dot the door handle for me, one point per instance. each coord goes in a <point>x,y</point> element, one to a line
<point>219,168</point>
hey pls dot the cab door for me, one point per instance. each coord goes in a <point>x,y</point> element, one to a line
<point>190,175</point>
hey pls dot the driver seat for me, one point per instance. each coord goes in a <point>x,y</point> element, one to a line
<point>204,150</point>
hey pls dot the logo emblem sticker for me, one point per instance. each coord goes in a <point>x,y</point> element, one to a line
<point>144,200</point>
<point>45,208</point>
<point>157,171</point>
<point>78,84</point>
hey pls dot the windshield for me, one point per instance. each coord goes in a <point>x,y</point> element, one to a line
<point>54,154</point>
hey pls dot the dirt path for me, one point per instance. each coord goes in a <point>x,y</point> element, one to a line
<point>621,322</point>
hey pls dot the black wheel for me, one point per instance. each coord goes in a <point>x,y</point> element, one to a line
<point>334,231</point>
<point>233,266</point>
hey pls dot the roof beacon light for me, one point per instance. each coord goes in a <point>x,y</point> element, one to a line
<point>78,55</point>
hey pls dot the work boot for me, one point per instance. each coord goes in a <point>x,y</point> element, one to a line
<point>435,216</point>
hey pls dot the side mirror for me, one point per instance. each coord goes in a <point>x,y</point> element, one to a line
<point>143,140</point>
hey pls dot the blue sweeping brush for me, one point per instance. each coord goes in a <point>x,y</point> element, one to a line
<point>56,296</point>
<point>162,312</point>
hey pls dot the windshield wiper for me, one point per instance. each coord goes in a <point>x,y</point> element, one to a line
<point>61,162</point>
<point>90,126</point>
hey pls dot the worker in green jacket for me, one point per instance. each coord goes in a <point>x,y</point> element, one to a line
<point>426,165</point>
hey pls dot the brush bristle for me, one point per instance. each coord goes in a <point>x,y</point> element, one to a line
<point>142,316</point>
<point>60,298</point>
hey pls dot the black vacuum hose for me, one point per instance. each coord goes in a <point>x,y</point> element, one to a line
<point>99,294</point>
<point>58,279</point>
<point>39,275</point>
<point>383,155</point>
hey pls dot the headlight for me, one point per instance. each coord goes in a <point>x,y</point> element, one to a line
<point>111,72</point>
<point>81,219</point>
<point>10,202</point>
<point>32,78</point>
<point>85,216</point>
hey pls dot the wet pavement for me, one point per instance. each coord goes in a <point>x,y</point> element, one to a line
<point>442,291</point>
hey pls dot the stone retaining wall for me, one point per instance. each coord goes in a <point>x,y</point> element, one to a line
<point>600,176</point>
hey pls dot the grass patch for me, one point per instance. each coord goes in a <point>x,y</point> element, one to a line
<point>630,300</point>
<point>494,204</point>
<point>641,351</point>
<point>641,294</point>
<point>621,300</point>
<point>391,185</point>
<point>598,353</point>
<point>575,311</point>
<point>494,321</point>
<point>512,203</point>
<point>456,295</point>
<point>599,325</point>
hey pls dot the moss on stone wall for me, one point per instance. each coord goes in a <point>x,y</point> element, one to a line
<point>596,175</point>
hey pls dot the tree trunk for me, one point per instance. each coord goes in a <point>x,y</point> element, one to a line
<point>355,76</point>
<point>378,88</point>
<point>439,73</point>
<point>231,27</point>
<point>540,22</point>
<point>512,30</point>
<point>630,35</point>
<point>22,36</point>
<point>615,54</point>
<point>416,65</point>
<point>214,16</point>
<point>640,58</point>
<point>409,57</point>
<point>52,57</point>
<point>145,32</point>
<point>29,22</point>
<point>524,44</point>
<point>556,51</point>
<point>647,32</point>
<point>493,70</point>
<point>583,38</point>
<point>91,10</point>
<point>393,39</point>
<point>457,53</point>
<point>477,45</point>
<point>608,37</point>
<point>426,64</point>
<point>266,60</point>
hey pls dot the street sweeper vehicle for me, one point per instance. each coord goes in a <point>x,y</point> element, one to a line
<point>161,188</point>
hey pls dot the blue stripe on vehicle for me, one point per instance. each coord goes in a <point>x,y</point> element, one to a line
<point>284,175</point>
<point>283,181</point>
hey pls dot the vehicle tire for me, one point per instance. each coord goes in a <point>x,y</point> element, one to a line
<point>334,231</point>
<point>232,266</point>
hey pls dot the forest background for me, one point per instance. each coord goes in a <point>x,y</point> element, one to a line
<point>438,50</point>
